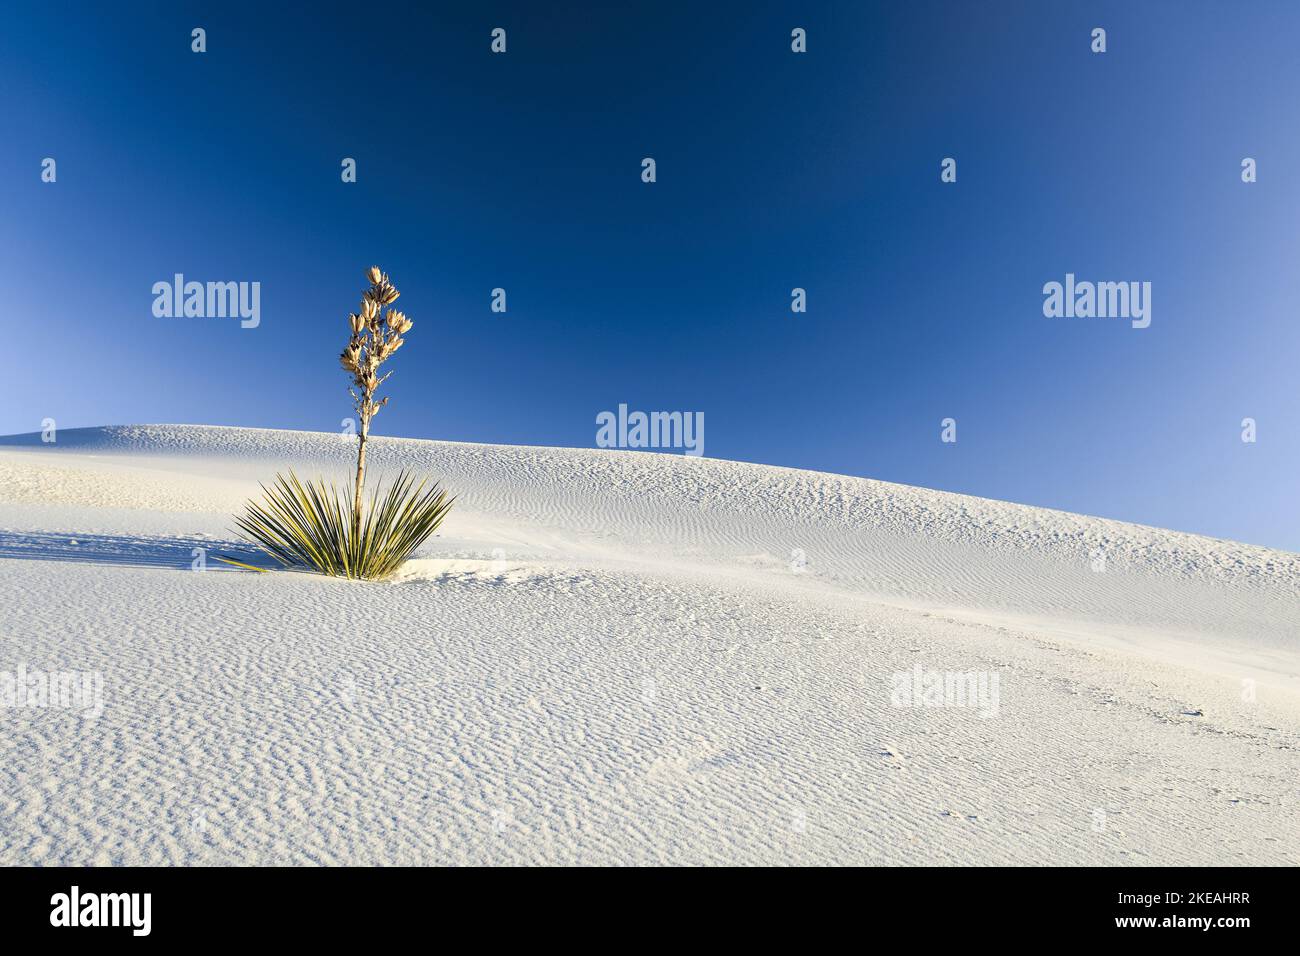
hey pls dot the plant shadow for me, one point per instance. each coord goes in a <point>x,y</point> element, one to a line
<point>137,551</point>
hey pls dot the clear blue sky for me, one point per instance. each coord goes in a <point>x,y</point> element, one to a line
<point>775,170</point>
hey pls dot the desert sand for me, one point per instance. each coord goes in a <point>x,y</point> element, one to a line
<point>613,657</point>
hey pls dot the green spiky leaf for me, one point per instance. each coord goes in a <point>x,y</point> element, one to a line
<point>309,525</point>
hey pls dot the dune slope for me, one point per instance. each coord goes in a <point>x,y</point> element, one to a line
<point>619,657</point>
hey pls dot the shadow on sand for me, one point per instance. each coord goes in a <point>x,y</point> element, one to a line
<point>129,550</point>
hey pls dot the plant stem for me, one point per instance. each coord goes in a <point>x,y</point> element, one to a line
<point>361,474</point>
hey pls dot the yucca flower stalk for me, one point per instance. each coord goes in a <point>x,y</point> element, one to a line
<point>377,332</point>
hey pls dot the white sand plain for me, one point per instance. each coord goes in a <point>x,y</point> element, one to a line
<point>619,657</point>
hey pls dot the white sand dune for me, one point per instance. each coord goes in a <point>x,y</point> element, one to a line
<point>621,657</point>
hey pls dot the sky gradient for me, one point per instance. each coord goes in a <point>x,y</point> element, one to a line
<point>775,170</point>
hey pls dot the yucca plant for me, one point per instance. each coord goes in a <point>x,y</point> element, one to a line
<point>311,525</point>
